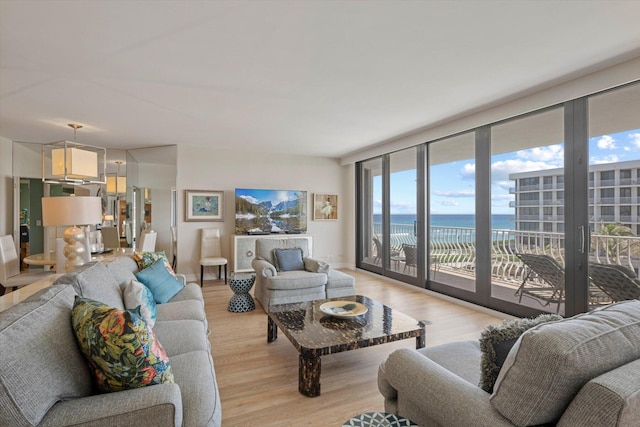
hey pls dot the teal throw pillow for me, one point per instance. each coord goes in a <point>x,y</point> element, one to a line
<point>160,281</point>
<point>496,343</point>
<point>289,259</point>
<point>137,295</point>
<point>121,348</point>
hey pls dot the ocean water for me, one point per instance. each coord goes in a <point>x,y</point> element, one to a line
<point>500,222</point>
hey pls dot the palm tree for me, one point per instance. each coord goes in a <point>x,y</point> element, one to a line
<point>611,244</point>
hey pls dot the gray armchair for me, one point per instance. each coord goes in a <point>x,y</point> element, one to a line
<point>311,280</point>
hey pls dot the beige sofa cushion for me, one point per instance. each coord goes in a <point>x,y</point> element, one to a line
<point>94,281</point>
<point>612,399</point>
<point>550,363</point>
<point>39,351</point>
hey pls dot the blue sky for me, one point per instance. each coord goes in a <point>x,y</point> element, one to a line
<point>452,189</point>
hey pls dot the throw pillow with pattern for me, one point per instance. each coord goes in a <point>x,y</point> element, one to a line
<point>137,295</point>
<point>121,348</point>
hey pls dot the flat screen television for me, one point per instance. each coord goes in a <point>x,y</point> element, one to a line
<point>270,211</point>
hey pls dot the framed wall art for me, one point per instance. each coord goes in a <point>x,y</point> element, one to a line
<point>325,207</point>
<point>202,205</point>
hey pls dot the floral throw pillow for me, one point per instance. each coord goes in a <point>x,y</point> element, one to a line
<point>146,259</point>
<point>121,348</point>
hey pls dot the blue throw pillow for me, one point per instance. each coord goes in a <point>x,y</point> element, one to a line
<point>289,259</point>
<point>162,284</point>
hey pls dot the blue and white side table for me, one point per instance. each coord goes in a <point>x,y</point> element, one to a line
<point>241,284</point>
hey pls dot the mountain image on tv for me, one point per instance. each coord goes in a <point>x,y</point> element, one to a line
<point>270,211</point>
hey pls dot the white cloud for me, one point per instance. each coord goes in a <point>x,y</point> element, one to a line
<point>550,153</point>
<point>529,160</point>
<point>500,170</point>
<point>627,148</point>
<point>450,202</point>
<point>612,158</point>
<point>635,139</point>
<point>606,143</point>
<point>459,193</point>
<point>504,185</point>
<point>468,171</point>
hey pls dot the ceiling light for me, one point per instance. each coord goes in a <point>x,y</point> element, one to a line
<point>70,162</point>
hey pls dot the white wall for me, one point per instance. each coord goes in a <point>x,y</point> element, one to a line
<point>201,168</point>
<point>6,186</point>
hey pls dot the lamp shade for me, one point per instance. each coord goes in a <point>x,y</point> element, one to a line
<point>74,163</point>
<point>71,210</point>
<point>116,184</point>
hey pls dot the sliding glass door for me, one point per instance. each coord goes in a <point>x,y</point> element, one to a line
<point>403,236</point>
<point>537,213</point>
<point>452,215</point>
<point>527,211</point>
<point>614,195</point>
<point>370,216</point>
<point>389,239</point>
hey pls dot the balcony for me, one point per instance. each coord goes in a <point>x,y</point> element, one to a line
<point>528,218</point>
<point>629,181</point>
<point>513,204</point>
<point>453,255</point>
<point>606,201</point>
<point>534,187</point>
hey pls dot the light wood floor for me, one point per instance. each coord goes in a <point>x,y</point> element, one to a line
<point>258,381</point>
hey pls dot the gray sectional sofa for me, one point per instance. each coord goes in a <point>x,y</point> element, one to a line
<point>313,280</point>
<point>45,379</point>
<point>576,372</point>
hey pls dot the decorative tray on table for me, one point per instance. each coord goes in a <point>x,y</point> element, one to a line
<point>343,309</point>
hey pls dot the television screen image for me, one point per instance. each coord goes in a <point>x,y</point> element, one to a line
<point>270,211</point>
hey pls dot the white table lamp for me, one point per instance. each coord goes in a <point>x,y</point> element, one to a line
<point>72,211</point>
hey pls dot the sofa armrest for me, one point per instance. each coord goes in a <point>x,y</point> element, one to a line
<point>158,405</point>
<point>409,376</point>
<point>182,278</point>
<point>264,268</point>
<point>316,266</point>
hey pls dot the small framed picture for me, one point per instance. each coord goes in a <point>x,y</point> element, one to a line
<point>325,207</point>
<point>202,205</point>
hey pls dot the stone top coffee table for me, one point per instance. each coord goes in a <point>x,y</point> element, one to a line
<point>314,333</point>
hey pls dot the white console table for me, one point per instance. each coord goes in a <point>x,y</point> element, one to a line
<point>244,247</point>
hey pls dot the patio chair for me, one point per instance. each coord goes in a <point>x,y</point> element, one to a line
<point>378,245</point>
<point>618,282</point>
<point>410,256</point>
<point>549,286</point>
<point>378,258</point>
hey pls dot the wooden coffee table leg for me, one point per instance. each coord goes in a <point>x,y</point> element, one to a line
<point>272,330</point>
<point>309,376</point>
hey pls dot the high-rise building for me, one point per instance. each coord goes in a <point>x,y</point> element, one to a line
<point>614,197</point>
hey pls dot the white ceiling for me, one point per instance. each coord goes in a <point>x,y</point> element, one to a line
<point>306,77</point>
